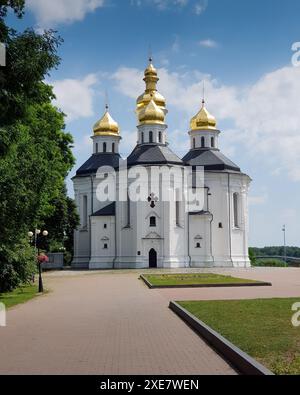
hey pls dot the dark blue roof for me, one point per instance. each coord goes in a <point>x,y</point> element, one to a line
<point>153,154</point>
<point>210,159</point>
<point>106,211</point>
<point>98,160</point>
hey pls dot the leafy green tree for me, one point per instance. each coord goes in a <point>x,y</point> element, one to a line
<point>35,150</point>
<point>61,224</point>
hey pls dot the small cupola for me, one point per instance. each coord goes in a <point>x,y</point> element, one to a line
<point>106,126</point>
<point>203,120</point>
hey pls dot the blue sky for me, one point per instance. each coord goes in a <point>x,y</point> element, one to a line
<point>241,49</point>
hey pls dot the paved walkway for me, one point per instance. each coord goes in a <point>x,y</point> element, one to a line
<point>102,324</point>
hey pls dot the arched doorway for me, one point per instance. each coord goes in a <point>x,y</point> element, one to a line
<point>152,258</point>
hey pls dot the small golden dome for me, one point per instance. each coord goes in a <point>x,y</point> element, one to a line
<point>150,70</point>
<point>151,92</point>
<point>106,125</point>
<point>203,120</point>
<point>151,114</point>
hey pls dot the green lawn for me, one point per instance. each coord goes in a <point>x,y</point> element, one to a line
<point>194,279</point>
<point>19,295</point>
<point>262,328</point>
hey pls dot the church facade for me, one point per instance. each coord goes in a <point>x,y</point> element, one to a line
<point>155,232</point>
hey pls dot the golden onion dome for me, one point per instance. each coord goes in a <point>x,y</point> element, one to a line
<point>106,125</point>
<point>146,97</point>
<point>151,114</point>
<point>150,70</point>
<point>203,120</point>
<point>151,92</point>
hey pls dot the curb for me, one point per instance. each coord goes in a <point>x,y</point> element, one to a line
<point>238,358</point>
<point>228,285</point>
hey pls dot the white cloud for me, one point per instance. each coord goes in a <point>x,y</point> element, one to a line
<point>83,145</point>
<point>208,43</point>
<point>265,117</point>
<point>199,6</point>
<point>128,142</point>
<point>129,81</point>
<point>75,96</point>
<point>258,200</point>
<point>50,13</point>
<point>160,4</point>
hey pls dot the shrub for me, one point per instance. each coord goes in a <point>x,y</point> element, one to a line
<point>17,266</point>
<point>269,263</point>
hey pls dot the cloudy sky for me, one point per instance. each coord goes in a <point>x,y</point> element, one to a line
<point>241,49</point>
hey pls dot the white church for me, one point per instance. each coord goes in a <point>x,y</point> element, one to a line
<point>156,233</point>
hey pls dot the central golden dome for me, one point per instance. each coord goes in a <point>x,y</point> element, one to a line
<point>106,126</point>
<point>151,92</point>
<point>151,114</point>
<point>203,120</point>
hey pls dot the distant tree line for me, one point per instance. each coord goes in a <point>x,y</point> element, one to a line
<point>35,151</point>
<point>276,251</point>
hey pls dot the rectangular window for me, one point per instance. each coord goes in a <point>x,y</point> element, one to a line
<point>152,221</point>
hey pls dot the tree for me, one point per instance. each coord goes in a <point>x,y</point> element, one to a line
<point>35,150</point>
<point>61,224</point>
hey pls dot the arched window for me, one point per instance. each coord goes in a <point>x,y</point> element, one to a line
<point>152,221</point>
<point>142,137</point>
<point>104,147</point>
<point>113,147</point>
<point>198,245</point>
<point>150,137</point>
<point>160,137</point>
<point>236,219</point>
<point>97,149</point>
<point>194,143</point>
<point>213,142</point>
<point>202,142</point>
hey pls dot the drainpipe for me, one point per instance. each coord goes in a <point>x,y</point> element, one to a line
<point>115,258</point>
<point>211,221</point>
<point>230,229</point>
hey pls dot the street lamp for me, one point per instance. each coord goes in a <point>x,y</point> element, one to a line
<point>284,242</point>
<point>35,234</point>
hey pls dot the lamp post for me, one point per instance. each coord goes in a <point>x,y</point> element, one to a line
<point>284,242</point>
<point>36,233</point>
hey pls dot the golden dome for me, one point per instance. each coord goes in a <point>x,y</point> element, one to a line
<point>203,120</point>
<point>106,125</point>
<point>146,97</point>
<point>150,93</point>
<point>151,114</point>
<point>150,70</point>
